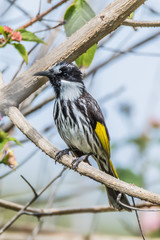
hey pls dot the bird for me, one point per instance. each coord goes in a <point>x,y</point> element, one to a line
<point>81,124</point>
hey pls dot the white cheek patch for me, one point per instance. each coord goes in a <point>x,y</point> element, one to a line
<point>70,90</point>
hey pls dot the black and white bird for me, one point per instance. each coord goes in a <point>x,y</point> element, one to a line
<point>80,122</point>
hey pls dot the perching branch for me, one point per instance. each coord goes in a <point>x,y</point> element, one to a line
<point>83,168</point>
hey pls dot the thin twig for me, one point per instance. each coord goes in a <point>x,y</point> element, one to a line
<point>133,207</point>
<point>33,190</point>
<point>51,28</point>
<point>136,23</point>
<point>22,211</point>
<point>40,16</point>
<point>65,211</point>
<point>138,220</point>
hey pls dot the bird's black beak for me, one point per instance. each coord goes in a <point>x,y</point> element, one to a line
<point>43,73</point>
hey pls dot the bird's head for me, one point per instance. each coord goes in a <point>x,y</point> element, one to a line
<point>66,78</point>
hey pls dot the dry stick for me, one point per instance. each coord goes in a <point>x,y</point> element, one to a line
<point>64,211</point>
<point>136,211</point>
<point>104,23</point>
<point>138,220</point>
<point>51,28</point>
<point>83,168</point>
<point>36,195</point>
<point>136,23</point>
<point>40,16</point>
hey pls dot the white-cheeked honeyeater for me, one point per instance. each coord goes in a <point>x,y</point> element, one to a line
<point>80,122</point>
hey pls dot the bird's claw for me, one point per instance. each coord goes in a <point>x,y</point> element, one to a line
<point>61,153</point>
<point>76,161</point>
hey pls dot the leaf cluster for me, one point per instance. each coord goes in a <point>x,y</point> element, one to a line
<point>25,35</point>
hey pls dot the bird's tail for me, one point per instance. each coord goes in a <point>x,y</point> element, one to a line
<point>113,194</point>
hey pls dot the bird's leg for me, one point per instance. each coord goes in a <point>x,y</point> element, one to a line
<point>61,153</point>
<point>76,161</point>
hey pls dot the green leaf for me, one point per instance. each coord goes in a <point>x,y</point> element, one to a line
<point>29,36</point>
<point>21,49</point>
<point>86,58</point>
<point>4,138</point>
<point>2,31</point>
<point>131,15</point>
<point>77,15</point>
<point>129,176</point>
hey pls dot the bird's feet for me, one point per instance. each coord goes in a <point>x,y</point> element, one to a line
<point>61,153</point>
<point>76,161</point>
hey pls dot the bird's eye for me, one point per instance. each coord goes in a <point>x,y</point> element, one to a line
<point>64,74</point>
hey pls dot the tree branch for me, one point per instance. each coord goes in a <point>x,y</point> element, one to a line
<point>64,211</point>
<point>83,168</point>
<point>104,23</point>
<point>135,23</point>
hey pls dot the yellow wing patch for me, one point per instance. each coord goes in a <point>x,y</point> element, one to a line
<point>102,135</point>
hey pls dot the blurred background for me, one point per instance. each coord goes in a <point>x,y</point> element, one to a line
<point>124,79</point>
